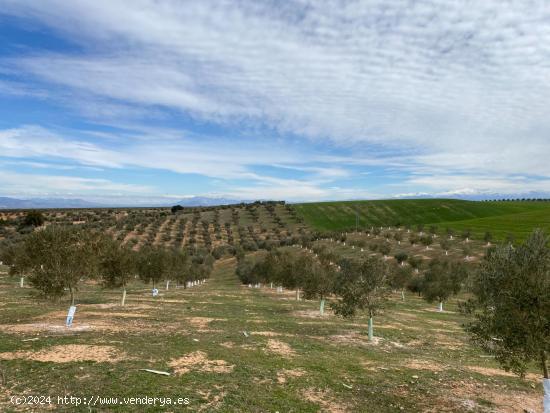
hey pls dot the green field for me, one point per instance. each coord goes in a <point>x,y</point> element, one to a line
<point>230,348</point>
<point>500,218</point>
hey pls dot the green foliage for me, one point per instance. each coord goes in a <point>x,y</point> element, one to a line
<point>445,244</point>
<point>8,252</point>
<point>176,208</point>
<point>415,262</point>
<point>398,236</point>
<point>426,240</point>
<point>414,239</point>
<point>33,219</point>
<point>443,279</point>
<point>401,256</point>
<point>57,258</point>
<point>117,263</point>
<point>318,279</point>
<point>511,308</point>
<point>153,264</point>
<point>361,285</point>
<point>384,248</point>
<point>400,276</point>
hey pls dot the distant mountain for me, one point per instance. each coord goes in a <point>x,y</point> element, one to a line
<point>15,203</point>
<point>206,201</point>
<point>32,203</point>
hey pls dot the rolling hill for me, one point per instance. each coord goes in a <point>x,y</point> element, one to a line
<point>499,217</point>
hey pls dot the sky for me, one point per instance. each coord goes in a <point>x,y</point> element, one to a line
<point>140,101</point>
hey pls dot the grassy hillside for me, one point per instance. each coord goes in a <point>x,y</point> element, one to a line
<point>519,224</point>
<point>497,217</point>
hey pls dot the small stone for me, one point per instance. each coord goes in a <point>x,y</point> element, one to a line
<point>415,377</point>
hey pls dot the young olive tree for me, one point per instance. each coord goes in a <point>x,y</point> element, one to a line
<point>362,285</point>
<point>415,262</point>
<point>445,244</point>
<point>401,257</point>
<point>398,236</point>
<point>153,264</point>
<point>384,248</point>
<point>450,233</point>
<point>442,280</point>
<point>318,282</point>
<point>427,240</point>
<point>178,268</point>
<point>400,277</point>
<point>116,265</point>
<point>58,258</point>
<point>33,218</point>
<point>511,306</point>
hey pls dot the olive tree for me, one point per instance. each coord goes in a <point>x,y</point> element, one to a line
<point>426,240</point>
<point>400,277</point>
<point>116,265</point>
<point>398,236</point>
<point>178,267</point>
<point>33,218</point>
<point>415,262</point>
<point>442,280</point>
<point>511,306</point>
<point>384,248</point>
<point>445,244</point>
<point>58,258</point>
<point>362,285</point>
<point>401,257</point>
<point>450,233</point>
<point>153,264</point>
<point>318,282</point>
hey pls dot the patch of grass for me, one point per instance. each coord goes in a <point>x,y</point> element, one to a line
<point>497,217</point>
<point>417,364</point>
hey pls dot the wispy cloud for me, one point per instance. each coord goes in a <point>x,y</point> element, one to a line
<point>441,92</point>
<point>59,185</point>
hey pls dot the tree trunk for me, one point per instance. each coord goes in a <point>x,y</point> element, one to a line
<point>123,297</point>
<point>440,308</point>
<point>72,295</point>
<point>402,294</point>
<point>21,282</point>
<point>167,284</point>
<point>371,330</point>
<point>322,307</point>
<point>297,294</point>
<point>544,365</point>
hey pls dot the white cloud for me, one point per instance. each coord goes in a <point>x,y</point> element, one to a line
<point>58,185</point>
<point>460,88</point>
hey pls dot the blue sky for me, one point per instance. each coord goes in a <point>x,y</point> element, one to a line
<point>134,101</point>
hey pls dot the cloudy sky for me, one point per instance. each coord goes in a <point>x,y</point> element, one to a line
<point>298,100</point>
